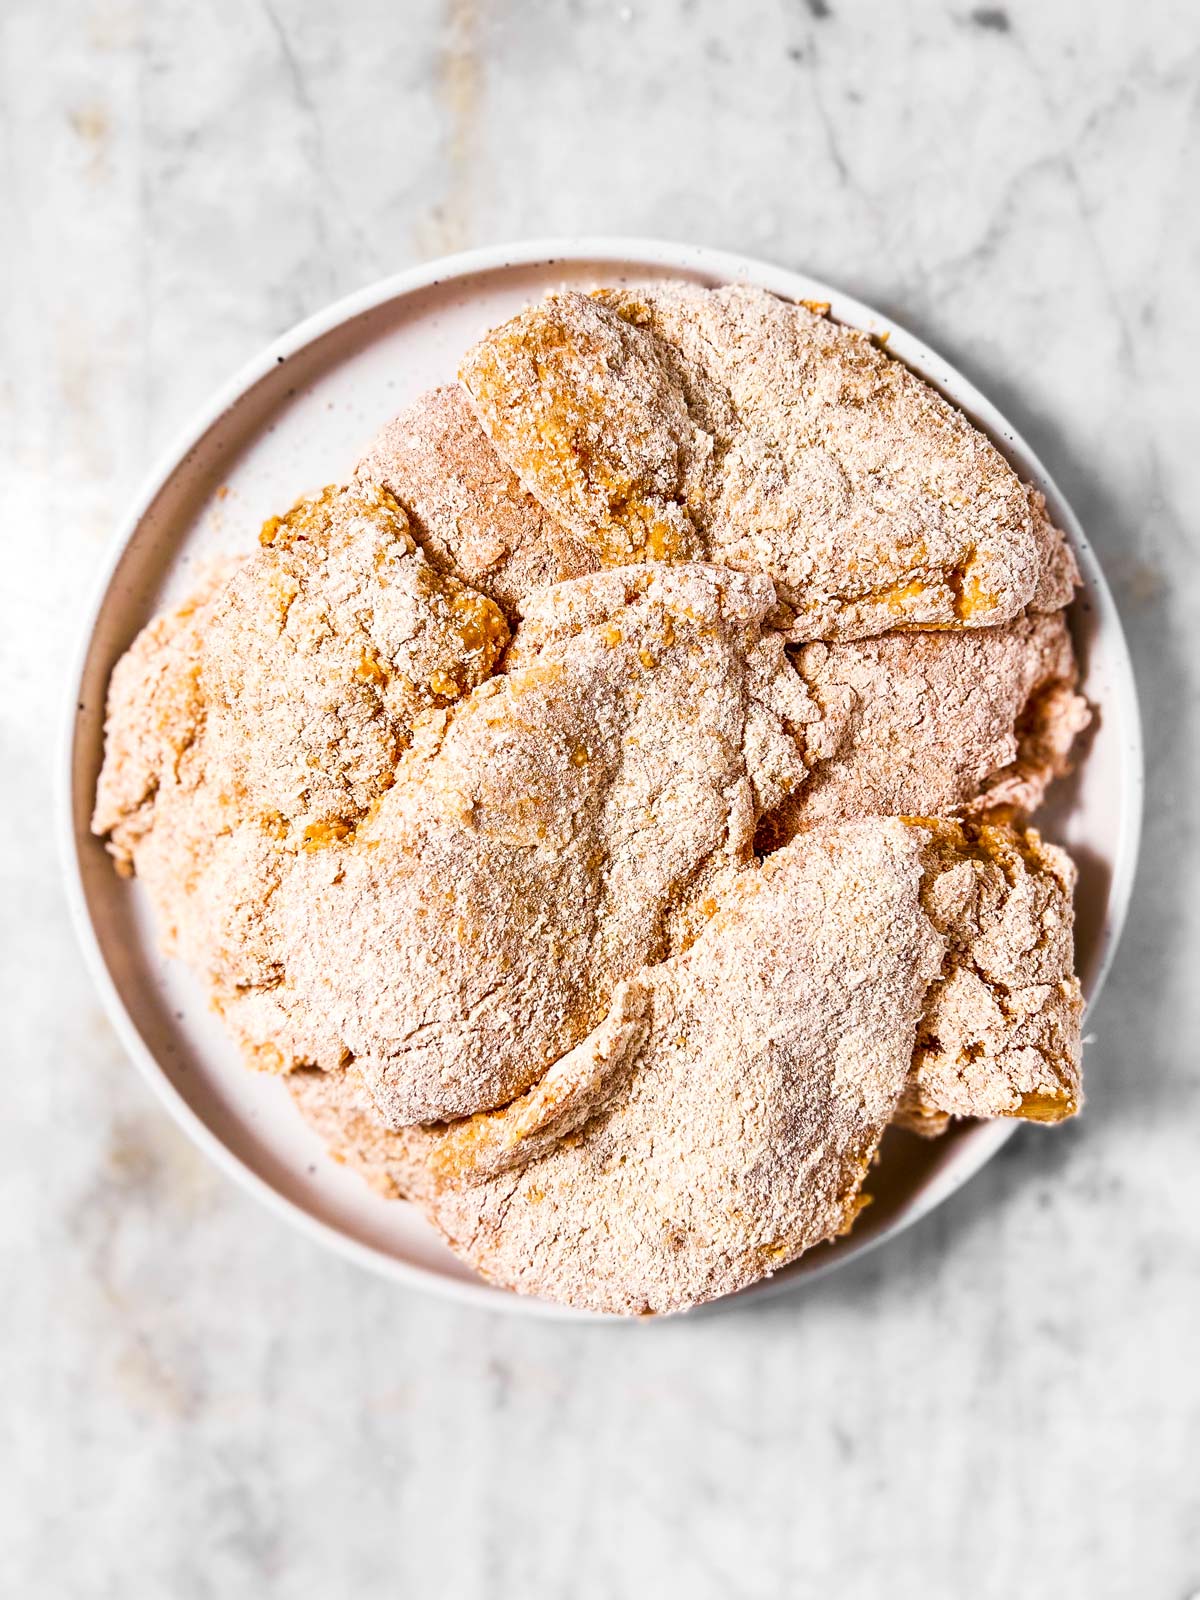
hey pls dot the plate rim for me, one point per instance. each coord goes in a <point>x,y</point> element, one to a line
<point>654,255</point>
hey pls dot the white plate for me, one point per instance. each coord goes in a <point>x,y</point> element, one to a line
<point>297,418</point>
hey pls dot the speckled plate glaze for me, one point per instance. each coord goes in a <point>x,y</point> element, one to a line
<point>297,418</point>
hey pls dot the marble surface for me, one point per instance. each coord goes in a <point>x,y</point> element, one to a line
<point>197,1402</point>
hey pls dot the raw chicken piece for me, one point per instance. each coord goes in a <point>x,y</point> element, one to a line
<point>565,824</point>
<point>319,654</point>
<point>677,422</point>
<point>264,719</point>
<point>1000,1033</point>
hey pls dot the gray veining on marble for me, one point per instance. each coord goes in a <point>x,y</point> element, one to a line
<point>1006,1401</point>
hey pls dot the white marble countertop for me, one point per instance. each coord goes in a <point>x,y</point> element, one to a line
<point>197,1402</point>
